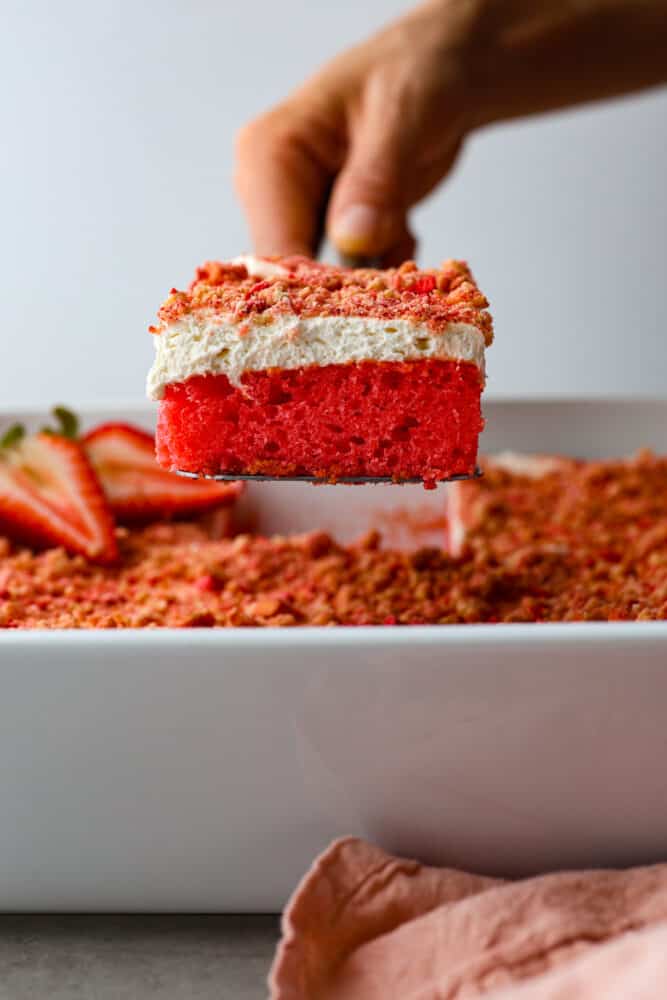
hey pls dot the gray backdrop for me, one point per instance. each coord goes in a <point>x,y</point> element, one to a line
<point>117,126</point>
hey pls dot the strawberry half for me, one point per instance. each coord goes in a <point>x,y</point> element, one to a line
<point>137,488</point>
<point>50,495</point>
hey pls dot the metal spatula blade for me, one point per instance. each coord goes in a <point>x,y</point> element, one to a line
<point>226,477</point>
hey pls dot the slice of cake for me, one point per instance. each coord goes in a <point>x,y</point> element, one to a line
<point>287,367</point>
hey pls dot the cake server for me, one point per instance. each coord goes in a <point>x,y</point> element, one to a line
<point>344,480</point>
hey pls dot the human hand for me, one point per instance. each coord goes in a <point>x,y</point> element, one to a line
<point>360,143</point>
<point>353,149</point>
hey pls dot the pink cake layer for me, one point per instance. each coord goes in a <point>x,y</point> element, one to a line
<point>405,420</point>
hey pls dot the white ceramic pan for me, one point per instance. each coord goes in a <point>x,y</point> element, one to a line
<point>202,770</point>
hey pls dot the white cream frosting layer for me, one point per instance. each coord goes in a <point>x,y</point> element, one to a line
<point>211,344</point>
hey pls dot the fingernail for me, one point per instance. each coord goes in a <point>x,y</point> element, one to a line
<point>359,228</point>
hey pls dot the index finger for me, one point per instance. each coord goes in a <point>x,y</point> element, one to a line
<point>284,168</point>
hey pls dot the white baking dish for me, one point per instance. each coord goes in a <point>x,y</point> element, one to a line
<point>202,770</point>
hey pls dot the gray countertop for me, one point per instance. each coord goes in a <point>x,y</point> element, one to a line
<point>81,957</point>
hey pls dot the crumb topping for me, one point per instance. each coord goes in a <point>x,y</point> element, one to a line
<point>305,288</point>
<point>587,541</point>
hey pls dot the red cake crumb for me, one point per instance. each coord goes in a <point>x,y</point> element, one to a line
<point>588,541</point>
<point>434,297</point>
<point>398,419</point>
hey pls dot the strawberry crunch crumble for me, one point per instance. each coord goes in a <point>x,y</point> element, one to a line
<point>576,541</point>
<point>306,288</point>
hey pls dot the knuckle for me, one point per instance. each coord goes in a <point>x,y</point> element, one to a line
<point>277,136</point>
<point>255,143</point>
<point>271,131</point>
<point>247,139</point>
<point>376,181</point>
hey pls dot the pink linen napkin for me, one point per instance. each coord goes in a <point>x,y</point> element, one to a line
<point>364,925</point>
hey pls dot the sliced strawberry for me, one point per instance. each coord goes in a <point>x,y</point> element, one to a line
<point>50,495</point>
<point>137,488</point>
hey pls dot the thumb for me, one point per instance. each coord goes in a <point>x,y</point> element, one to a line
<point>368,204</point>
